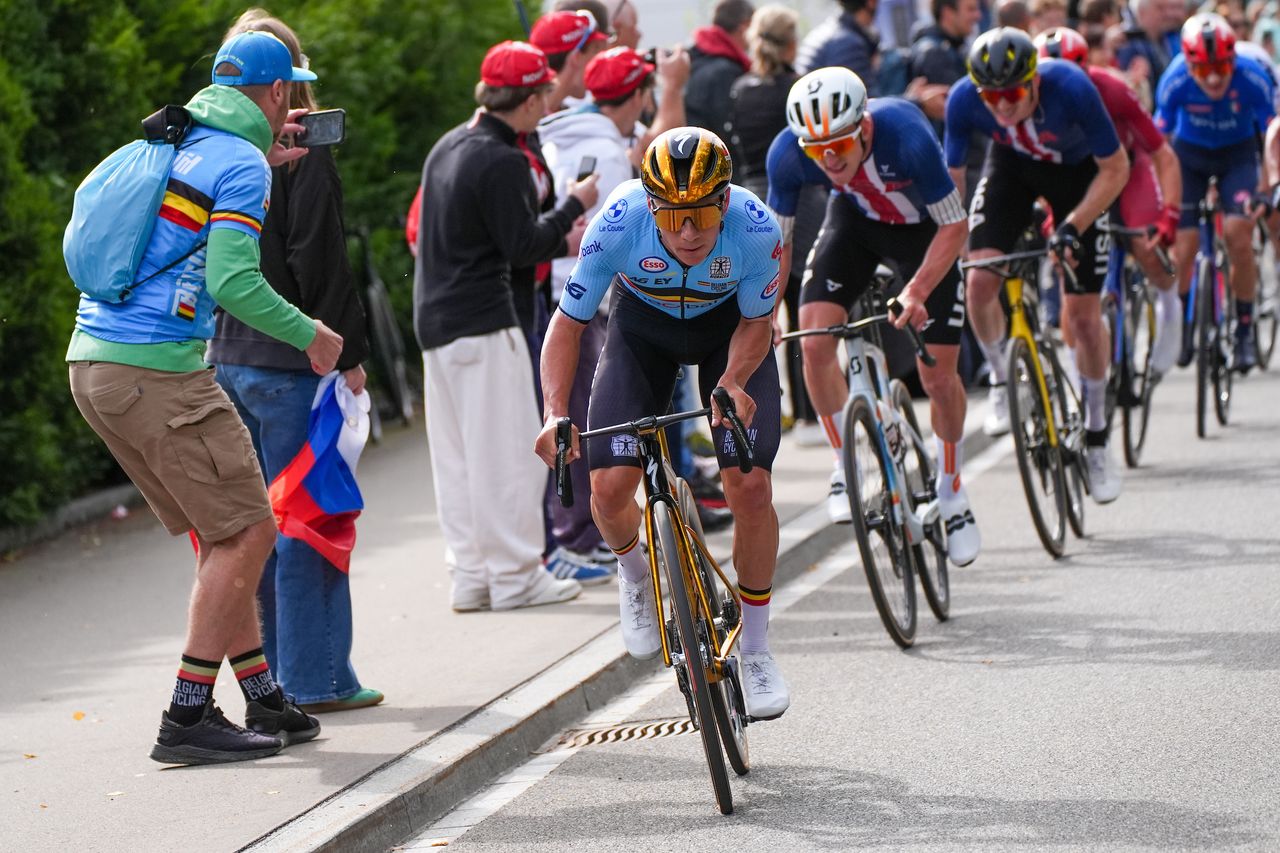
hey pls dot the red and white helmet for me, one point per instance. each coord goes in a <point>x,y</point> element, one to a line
<point>1063,43</point>
<point>1207,38</point>
<point>826,103</point>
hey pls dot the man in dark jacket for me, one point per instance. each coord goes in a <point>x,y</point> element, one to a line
<point>718,58</point>
<point>938,53</point>
<point>847,38</point>
<point>479,219</point>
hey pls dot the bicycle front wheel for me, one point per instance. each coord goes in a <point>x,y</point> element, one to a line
<point>1205,332</point>
<point>1068,422</point>
<point>695,652</point>
<point>1267,316</point>
<point>918,467</point>
<point>1141,326</point>
<point>1223,363</point>
<point>1116,378</point>
<point>1039,462</point>
<point>881,542</point>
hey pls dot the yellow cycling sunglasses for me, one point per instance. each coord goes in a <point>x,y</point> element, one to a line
<point>703,216</point>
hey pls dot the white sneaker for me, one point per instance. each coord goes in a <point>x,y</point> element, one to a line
<point>838,509</point>
<point>964,541</point>
<point>997,422</point>
<point>1168,342</point>
<point>763,687</point>
<point>809,434</point>
<point>544,589</point>
<point>1104,474</point>
<point>639,618</point>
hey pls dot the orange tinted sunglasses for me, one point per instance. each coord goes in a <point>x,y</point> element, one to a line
<point>703,216</point>
<point>1222,68</point>
<point>841,146</point>
<point>1012,94</point>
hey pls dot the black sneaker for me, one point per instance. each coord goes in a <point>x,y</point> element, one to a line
<point>1246,353</point>
<point>213,740</point>
<point>1187,350</point>
<point>292,725</point>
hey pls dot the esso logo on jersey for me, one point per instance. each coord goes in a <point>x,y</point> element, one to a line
<point>755,212</point>
<point>771,289</point>
<point>616,211</point>
<point>653,264</point>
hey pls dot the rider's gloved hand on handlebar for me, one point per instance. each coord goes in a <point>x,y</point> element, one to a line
<point>1167,225</point>
<point>1065,243</point>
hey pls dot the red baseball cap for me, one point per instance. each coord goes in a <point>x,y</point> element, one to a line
<point>616,73</point>
<point>561,32</point>
<point>515,63</point>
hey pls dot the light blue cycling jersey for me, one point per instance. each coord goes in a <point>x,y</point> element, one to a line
<point>623,240</point>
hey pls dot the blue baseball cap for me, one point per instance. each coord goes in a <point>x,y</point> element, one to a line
<point>261,58</point>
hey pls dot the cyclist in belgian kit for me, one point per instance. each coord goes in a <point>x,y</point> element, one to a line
<point>1051,138</point>
<point>1215,107</point>
<point>696,261</point>
<point>895,202</point>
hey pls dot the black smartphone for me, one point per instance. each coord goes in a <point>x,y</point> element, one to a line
<point>586,168</point>
<point>651,56</point>
<point>323,127</point>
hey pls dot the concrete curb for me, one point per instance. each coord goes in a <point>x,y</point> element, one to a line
<point>409,793</point>
<point>79,511</point>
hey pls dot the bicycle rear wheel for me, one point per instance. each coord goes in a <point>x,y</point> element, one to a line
<point>691,671</point>
<point>881,542</point>
<point>1224,354</point>
<point>1266,315</point>
<point>1141,330</point>
<point>727,700</point>
<point>1039,462</point>
<point>930,555</point>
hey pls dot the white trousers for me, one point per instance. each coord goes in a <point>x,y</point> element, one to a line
<point>482,421</point>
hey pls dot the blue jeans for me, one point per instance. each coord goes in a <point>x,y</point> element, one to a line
<point>305,601</point>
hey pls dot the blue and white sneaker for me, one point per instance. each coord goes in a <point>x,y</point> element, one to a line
<point>564,564</point>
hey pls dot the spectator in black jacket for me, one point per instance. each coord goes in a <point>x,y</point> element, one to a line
<point>479,219</point>
<point>848,38</point>
<point>718,57</point>
<point>305,601</point>
<point>938,56</point>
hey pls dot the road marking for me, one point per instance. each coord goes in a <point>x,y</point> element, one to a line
<point>488,802</point>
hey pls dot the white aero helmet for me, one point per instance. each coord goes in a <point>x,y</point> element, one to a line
<point>826,103</point>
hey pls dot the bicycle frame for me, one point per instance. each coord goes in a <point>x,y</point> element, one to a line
<point>1020,327</point>
<point>1210,229</point>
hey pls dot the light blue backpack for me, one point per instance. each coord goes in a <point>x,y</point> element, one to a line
<point>116,206</point>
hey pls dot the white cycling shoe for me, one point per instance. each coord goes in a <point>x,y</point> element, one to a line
<point>997,421</point>
<point>838,499</point>
<point>639,618</point>
<point>964,541</point>
<point>1168,342</point>
<point>763,688</point>
<point>1104,474</point>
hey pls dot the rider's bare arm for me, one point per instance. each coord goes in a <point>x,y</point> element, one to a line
<point>1105,188</point>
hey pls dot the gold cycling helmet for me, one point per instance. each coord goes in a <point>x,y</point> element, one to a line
<point>684,166</point>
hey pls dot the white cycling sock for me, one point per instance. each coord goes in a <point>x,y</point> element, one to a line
<point>994,351</point>
<point>950,455</point>
<point>755,619</point>
<point>1169,303</point>
<point>633,563</point>
<point>1095,403</point>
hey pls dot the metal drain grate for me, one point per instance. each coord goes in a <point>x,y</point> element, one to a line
<point>645,730</point>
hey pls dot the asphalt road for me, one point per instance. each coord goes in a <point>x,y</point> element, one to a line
<point>1123,697</point>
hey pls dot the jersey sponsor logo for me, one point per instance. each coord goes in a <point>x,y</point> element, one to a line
<point>771,289</point>
<point>777,251</point>
<point>590,249</point>
<point>717,286</point>
<point>730,446</point>
<point>574,289</point>
<point>833,286</point>
<point>616,211</point>
<point>756,212</point>
<point>185,162</point>
<point>721,267</point>
<point>759,229</point>
<point>653,264</point>
<point>625,445</point>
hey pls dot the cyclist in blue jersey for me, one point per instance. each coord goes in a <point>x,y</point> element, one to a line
<point>1215,107</point>
<point>893,202</point>
<point>695,259</point>
<point>1052,139</point>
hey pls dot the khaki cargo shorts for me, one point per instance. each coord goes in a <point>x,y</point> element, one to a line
<point>180,440</point>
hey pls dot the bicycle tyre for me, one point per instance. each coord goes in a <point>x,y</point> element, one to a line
<point>890,575</point>
<point>1223,364</point>
<point>1267,315</point>
<point>1069,424</point>
<point>1141,326</point>
<point>931,559</point>
<point>690,643</point>
<point>1204,331</point>
<point>1115,327</point>
<point>1039,464</point>
<point>727,700</point>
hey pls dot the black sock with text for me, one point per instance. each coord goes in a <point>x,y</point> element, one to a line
<point>255,680</point>
<point>193,690</point>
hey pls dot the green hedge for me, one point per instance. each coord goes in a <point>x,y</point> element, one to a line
<point>76,76</point>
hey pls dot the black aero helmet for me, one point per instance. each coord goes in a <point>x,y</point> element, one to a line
<point>1002,58</point>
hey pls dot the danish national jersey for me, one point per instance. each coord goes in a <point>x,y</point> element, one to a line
<point>902,182</point>
<point>1187,114</point>
<point>1068,125</point>
<point>1134,127</point>
<point>622,240</point>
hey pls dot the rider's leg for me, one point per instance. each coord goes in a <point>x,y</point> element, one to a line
<point>618,516</point>
<point>946,403</point>
<point>823,376</point>
<point>1238,233</point>
<point>1092,355</point>
<point>982,302</point>
<point>755,548</point>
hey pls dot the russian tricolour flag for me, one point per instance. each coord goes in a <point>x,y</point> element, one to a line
<point>316,498</point>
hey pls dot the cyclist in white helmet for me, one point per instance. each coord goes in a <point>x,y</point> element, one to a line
<point>894,202</point>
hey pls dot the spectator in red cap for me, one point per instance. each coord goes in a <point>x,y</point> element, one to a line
<point>621,85</point>
<point>480,219</point>
<point>570,40</point>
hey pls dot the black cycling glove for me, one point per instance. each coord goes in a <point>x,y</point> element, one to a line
<point>1064,239</point>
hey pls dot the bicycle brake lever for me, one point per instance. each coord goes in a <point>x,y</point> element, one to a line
<point>746,456</point>
<point>895,307</point>
<point>564,442</point>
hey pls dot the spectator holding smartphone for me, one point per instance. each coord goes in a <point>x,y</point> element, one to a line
<point>305,601</point>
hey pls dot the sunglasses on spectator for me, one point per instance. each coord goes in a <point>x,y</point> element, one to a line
<point>1012,94</point>
<point>703,216</point>
<point>592,26</point>
<point>840,146</point>
<point>1222,68</point>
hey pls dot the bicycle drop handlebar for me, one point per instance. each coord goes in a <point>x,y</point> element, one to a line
<point>1166,263</point>
<point>646,425</point>
<point>1002,264</point>
<point>854,329</point>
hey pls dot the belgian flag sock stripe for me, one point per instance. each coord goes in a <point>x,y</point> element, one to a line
<point>254,676</point>
<point>193,689</point>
